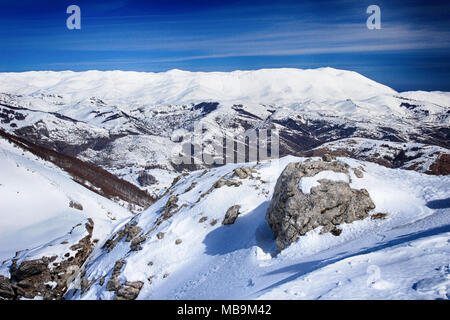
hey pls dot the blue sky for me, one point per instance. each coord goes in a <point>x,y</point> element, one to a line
<point>410,52</point>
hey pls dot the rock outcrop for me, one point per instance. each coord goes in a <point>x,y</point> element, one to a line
<point>130,230</point>
<point>129,291</point>
<point>293,213</point>
<point>126,291</point>
<point>243,172</point>
<point>47,277</point>
<point>231,215</point>
<point>6,290</point>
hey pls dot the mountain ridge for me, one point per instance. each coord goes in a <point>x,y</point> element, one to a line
<point>265,84</point>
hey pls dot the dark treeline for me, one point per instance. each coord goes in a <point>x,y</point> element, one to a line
<point>90,176</point>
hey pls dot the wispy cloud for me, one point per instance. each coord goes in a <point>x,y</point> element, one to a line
<point>155,35</point>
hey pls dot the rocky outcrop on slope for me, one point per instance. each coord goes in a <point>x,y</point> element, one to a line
<point>293,213</point>
<point>47,277</point>
<point>6,289</point>
<point>130,230</point>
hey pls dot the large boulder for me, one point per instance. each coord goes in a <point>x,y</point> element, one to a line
<point>296,209</point>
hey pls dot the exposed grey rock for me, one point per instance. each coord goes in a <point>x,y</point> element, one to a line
<point>29,277</point>
<point>113,284</point>
<point>132,231</point>
<point>327,157</point>
<point>29,268</point>
<point>192,186</point>
<point>135,284</point>
<point>358,173</point>
<point>226,182</point>
<point>129,291</point>
<point>118,266</point>
<point>378,216</point>
<point>6,290</point>
<point>160,235</point>
<point>75,205</point>
<point>336,232</point>
<point>171,203</point>
<point>136,243</point>
<point>25,284</point>
<point>242,172</point>
<point>292,214</point>
<point>231,215</point>
<point>178,241</point>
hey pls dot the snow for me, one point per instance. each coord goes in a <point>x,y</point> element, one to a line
<point>179,87</point>
<point>403,256</point>
<point>306,183</point>
<point>139,117</point>
<point>34,206</point>
<point>51,284</point>
<point>417,269</point>
<point>436,97</point>
<point>422,156</point>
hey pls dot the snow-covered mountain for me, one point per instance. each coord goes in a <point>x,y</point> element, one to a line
<point>131,122</point>
<point>179,249</point>
<point>62,236</point>
<point>136,89</point>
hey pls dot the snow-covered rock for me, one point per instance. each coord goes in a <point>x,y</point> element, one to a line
<point>314,194</point>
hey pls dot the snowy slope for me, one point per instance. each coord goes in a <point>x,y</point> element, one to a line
<point>403,256</point>
<point>35,203</point>
<point>131,123</point>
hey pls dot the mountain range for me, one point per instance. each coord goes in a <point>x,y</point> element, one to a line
<point>94,206</point>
